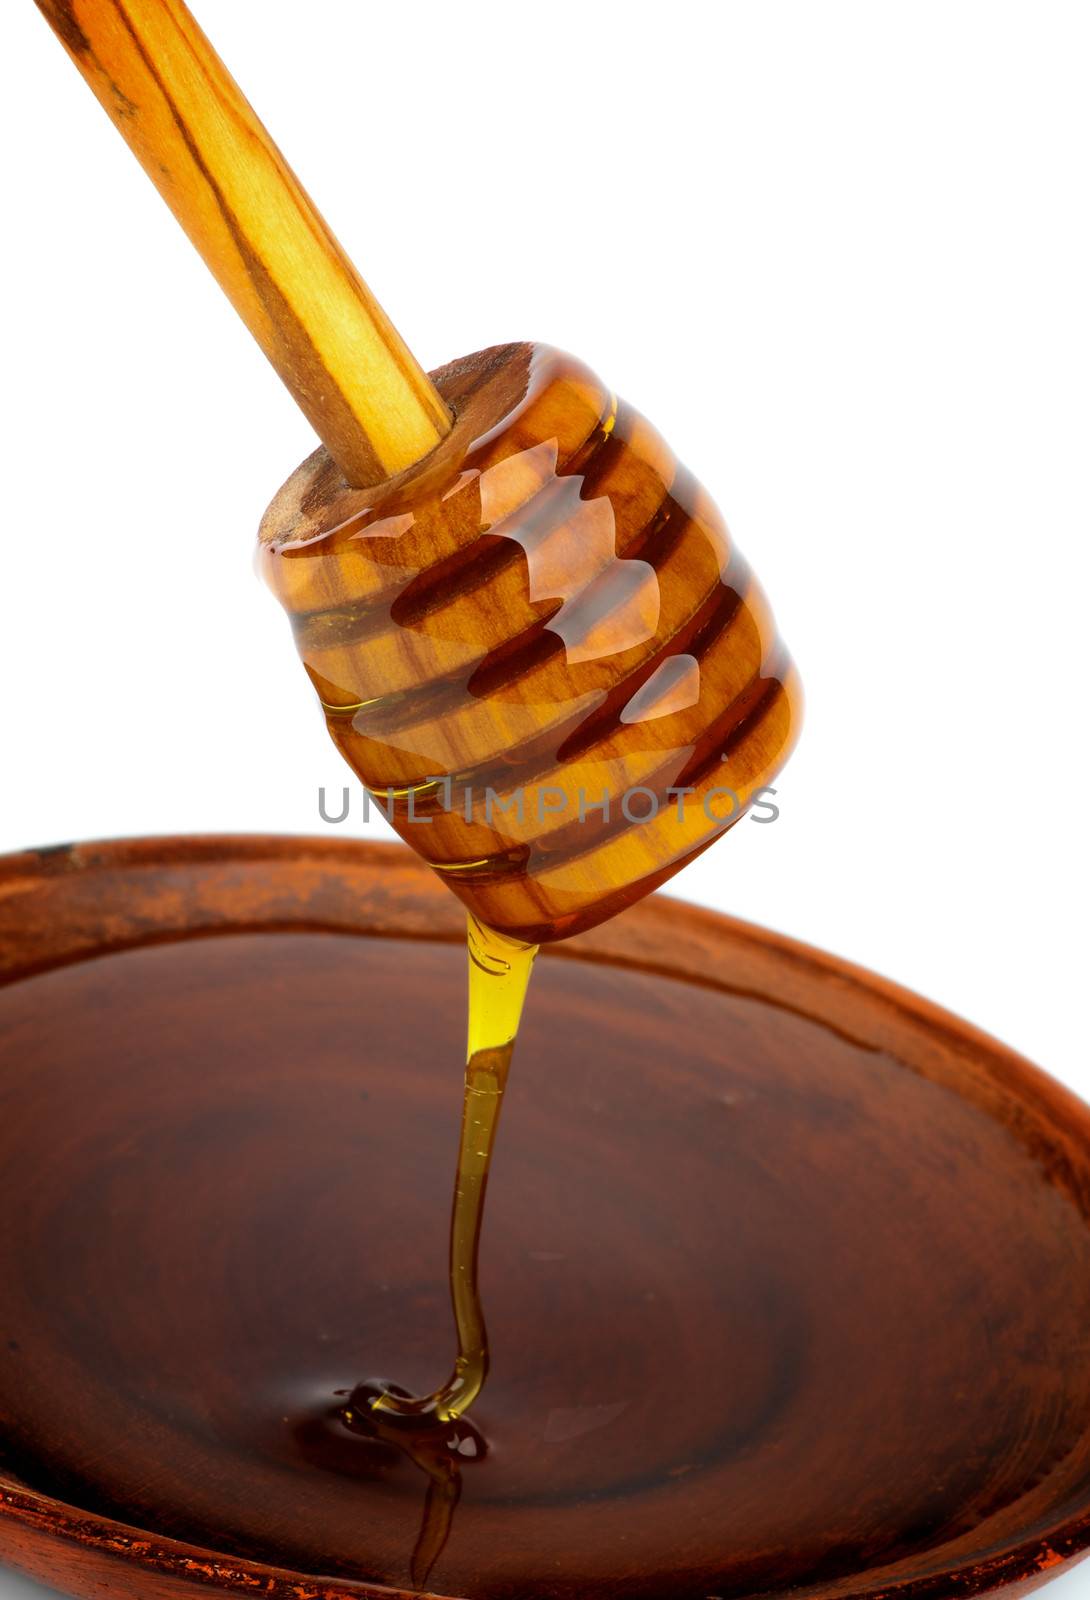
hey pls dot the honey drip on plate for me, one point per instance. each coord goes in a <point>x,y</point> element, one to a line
<point>499,972</point>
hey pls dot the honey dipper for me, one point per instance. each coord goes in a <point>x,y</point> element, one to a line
<point>531,634</point>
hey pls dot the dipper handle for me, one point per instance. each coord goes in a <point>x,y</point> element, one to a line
<point>211,159</point>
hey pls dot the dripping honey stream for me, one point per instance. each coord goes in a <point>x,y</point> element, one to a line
<point>499,973</point>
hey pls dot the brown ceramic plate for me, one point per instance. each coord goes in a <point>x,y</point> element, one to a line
<point>787,1272</point>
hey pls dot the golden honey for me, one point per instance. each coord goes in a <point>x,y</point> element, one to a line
<point>499,972</point>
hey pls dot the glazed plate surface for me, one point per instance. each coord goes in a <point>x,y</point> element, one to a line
<point>787,1272</point>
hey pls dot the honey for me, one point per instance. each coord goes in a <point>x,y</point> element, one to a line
<point>499,971</point>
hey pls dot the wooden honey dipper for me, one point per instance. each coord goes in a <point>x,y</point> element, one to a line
<point>527,625</point>
<point>531,634</point>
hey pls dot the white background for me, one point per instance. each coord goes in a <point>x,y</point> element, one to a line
<point>839,253</point>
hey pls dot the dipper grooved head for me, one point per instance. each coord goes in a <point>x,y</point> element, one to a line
<point>538,647</point>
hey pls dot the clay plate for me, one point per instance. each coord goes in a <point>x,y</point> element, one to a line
<point>787,1272</point>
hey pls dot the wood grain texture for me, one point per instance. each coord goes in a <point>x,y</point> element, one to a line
<point>214,163</point>
<point>540,649</point>
<point>830,1243</point>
